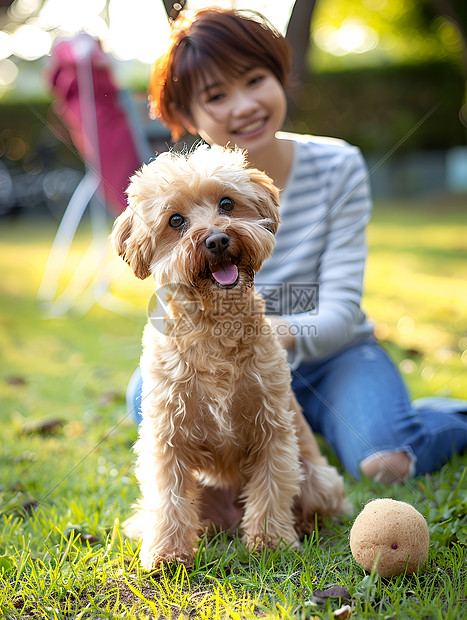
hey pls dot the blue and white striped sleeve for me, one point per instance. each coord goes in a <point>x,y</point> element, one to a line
<point>340,273</point>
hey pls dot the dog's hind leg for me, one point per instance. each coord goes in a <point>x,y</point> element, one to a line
<point>322,487</point>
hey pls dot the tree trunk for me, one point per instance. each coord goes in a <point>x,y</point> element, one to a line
<point>298,36</point>
<point>168,6</point>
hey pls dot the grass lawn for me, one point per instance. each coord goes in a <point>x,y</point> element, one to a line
<point>66,486</point>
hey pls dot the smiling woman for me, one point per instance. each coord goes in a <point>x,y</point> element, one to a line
<point>224,78</point>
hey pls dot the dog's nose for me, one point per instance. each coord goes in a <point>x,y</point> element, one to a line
<point>217,242</point>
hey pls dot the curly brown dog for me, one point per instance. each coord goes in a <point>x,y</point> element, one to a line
<point>219,414</point>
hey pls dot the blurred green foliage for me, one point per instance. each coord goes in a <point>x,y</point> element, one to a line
<point>375,107</point>
<point>377,67</point>
<point>397,32</point>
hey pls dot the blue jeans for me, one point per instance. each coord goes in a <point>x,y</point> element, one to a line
<point>358,401</point>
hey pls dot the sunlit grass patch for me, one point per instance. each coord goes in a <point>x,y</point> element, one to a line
<point>417,295</point>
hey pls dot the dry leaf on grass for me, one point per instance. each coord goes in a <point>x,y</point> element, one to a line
<point>321,596</point>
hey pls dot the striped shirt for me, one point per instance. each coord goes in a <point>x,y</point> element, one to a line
<point>314,279</point>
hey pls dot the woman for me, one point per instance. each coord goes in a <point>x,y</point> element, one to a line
<point>224,79</point>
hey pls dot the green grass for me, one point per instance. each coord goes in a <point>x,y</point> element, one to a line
<point>64,494</point>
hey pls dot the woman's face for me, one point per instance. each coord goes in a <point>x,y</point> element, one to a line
<point>244,111</point>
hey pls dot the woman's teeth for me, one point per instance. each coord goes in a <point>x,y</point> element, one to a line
<point>251,127</point>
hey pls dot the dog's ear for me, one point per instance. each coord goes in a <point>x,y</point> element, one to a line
<point>268,197</point>
<point>131,241</point>
<point>121,232</point>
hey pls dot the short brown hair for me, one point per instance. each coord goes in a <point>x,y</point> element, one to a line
<point>213,41</point>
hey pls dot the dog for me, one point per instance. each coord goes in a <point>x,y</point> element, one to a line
<point>219,418</point>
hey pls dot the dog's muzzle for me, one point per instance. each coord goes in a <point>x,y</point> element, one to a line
<point>223,270</point>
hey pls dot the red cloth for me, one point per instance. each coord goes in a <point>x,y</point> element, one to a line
<point>112,153</point>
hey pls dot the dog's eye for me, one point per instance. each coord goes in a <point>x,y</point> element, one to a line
<point>176,220</point>
<point>226,204</point>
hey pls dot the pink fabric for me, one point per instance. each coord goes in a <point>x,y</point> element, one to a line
<point>116,157</point>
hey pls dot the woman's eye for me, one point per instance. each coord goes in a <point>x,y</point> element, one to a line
<point>176,220</point>
<point>226,204</point>
<point>214,98</point>
<point>256,80</point>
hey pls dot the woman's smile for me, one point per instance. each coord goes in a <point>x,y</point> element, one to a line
<point>252,128</point>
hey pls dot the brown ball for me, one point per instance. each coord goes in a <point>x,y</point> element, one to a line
<point>393,529</point>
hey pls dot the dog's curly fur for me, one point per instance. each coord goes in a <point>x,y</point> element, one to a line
<point>218,409</point>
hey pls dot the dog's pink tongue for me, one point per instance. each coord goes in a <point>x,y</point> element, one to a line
<point>225,273</point>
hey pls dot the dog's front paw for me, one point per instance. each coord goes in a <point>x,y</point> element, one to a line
<point>150,556</point>
<point>270,540</point>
